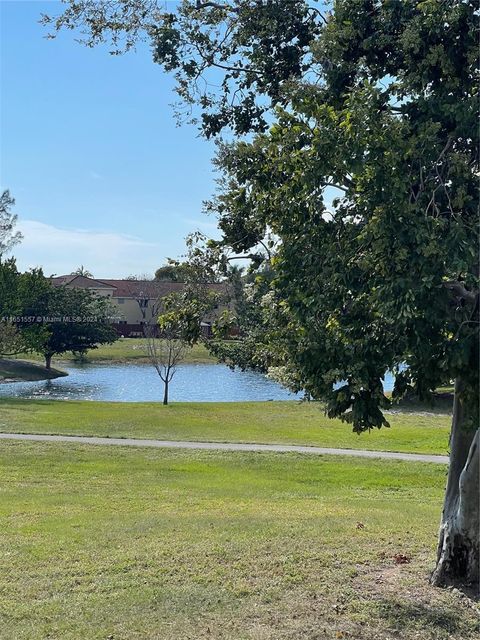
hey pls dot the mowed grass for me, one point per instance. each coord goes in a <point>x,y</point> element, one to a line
<point>257,422</point>
<point>127,350</point>
<point>127,544</point>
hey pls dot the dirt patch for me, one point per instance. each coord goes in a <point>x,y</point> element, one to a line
<point>408,607</point>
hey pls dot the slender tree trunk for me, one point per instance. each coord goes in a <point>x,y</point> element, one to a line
<point>165,393</point>
<point>48,360</point>
<point>458,554</point>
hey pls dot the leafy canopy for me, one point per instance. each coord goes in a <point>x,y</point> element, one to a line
<point>369,180</point>
<point>231,58</point>
<point>72,320</point>
<point>38,316</point>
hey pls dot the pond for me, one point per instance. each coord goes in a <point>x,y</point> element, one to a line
<point>140,383</point>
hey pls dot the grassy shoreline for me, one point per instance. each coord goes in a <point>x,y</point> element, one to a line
<point>123,351</point>
<point>29,367</point>
<point>286,422</point>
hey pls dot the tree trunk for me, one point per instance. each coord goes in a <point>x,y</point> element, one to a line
<point>165,393</point>
<point>48,360</point>
<point>458,554</point>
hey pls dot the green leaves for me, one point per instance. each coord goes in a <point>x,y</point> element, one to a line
<point>51,319</point>
<point>72,320</point>
<point>357,287</point>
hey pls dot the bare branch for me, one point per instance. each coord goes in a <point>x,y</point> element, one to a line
<point>459,291</point>
<point>215,5</point>
<point>249,256</point>
<point>318,13</point>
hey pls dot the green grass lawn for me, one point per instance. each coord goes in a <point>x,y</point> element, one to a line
<point>168,545</point>
<point>127,350</point>
<point>262,422</point>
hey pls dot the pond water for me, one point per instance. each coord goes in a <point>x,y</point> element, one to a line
<point>140,383</point>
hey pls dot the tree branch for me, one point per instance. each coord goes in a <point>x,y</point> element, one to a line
<point>459,291</point>
<point>215,5</point>
<point>249,256</point>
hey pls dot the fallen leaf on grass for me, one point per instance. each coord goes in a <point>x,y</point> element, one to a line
<point>400,558</point>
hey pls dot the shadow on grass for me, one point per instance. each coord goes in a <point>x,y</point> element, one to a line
<point>29,406</point>
<point>440,621</point>
<point>440,403</point>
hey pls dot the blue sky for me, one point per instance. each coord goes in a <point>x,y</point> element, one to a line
<point>101,174</point>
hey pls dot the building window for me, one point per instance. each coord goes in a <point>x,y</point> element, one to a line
<point>122,322</point>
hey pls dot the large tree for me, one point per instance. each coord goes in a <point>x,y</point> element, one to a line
<point>37,316</point>
<point>367,177</point>
<point>70,319</point>
<point>20,294</point>
<point>385,276</point>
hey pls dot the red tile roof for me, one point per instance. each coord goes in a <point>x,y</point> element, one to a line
<point>128,288</point>
<point>80,281</point>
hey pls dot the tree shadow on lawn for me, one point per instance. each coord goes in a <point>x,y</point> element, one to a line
<point>440,403</point>
<point>440,620</point>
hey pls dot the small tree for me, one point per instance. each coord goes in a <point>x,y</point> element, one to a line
<point>179,316</point>
<point>82,271</point>
<point>167,350</point>
<point>10,303</point>
<point>8,236</point>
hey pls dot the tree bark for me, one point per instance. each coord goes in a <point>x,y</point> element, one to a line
<point>165,393</point>
<point>48,360</point>
<point>458,554</point>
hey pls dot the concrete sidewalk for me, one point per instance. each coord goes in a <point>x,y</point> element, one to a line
<point>224,446</point>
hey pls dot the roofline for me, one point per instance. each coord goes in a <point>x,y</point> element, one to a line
<point>78,275</point>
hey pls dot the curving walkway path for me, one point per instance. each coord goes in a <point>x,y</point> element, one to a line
<point>230,446</point>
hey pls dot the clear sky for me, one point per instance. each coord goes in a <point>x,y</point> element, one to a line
<point>101,174</point>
